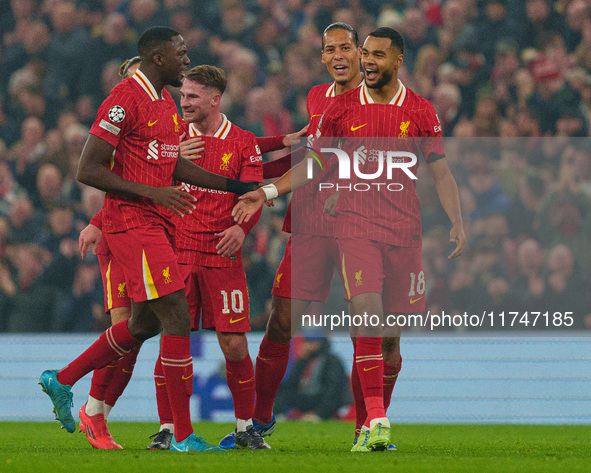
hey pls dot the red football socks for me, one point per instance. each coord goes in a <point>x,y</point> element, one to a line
<point>271,365</point>
<point>164,411</point>
<point>177,365</point>
<point>360,412</point>
<point>240,378</point>
<point>370,368</point>
<point>112,344</point>
<point>121,376</point>
<point>390,377</point>
<point>101,379</point>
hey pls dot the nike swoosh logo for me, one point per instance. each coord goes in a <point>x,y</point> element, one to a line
<point>152,123</point>
<point>160,384</point>
<point>232,321</point>
<point>412,301</point>
<point>125,371</point>
<point>353,128</point>
<point>369,369</point>
<point>264,359</point>
<point>316,115</point>
<point>187,377</point>
<point>243,382</point>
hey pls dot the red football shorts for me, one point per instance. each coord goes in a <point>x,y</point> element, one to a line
<point>395,272</point>
<point>282,282</point>
<point>114,284</point>
<point>218,297</point>
<point>147,256</point>
<point>313,263</point>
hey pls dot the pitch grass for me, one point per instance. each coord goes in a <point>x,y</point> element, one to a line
<point>304,448</point>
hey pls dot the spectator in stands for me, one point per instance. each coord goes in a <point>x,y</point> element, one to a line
<point>417,33</point>
<point>446,101</point>
<point>66,54</point>
<point>25,221</point>
<point>564,219</point>
<point>237,23</point>
<point>32,305</point>
<point>566,286</point>
<point>60,226</point>
<point>143,14</point>
<point>552,94</point>
<point>10,190</point>
<point>49,187</point>
<point>541,20</point>
<point>29,46</point>
<point>427,64</point>
<point>113,44</point>
<point>8,287</point>
<point>523,209</point>
<point>317,385</point>
<point>577,14</point>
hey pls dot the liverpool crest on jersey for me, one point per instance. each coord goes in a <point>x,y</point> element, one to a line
<point>225,166</point>
<point>404,129</point>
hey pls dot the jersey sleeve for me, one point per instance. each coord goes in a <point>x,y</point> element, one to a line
<point>115,117</point>
<point>270,143</point>
<point>97,220</point>
<point>251,168</point>
<point>431,144</point>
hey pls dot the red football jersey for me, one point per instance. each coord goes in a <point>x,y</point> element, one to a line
<point>144,129</point>
<point>230,152</point>
<point>407,124</point>
<point>308,205</point>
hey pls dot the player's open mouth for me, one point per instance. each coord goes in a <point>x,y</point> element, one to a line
<point>340,69</point>
<point>371,74</point>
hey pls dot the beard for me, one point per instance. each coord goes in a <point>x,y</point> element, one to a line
<point>382,81</point>
<point>175,83</point>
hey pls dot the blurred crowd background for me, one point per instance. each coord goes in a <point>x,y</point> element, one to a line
<point>509,79</point>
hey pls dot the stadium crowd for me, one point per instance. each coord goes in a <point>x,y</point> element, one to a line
<point>510,81</point>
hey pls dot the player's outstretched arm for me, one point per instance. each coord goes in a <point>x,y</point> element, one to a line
<point>93,172</point>
<point>447,189</point>
<point>248,204</point>
<point>292,138</point>
<point>188,172</point>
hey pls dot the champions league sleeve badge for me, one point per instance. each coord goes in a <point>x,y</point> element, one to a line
<point>116,114</point>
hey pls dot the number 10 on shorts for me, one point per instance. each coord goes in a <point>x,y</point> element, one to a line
<point>236,299</point>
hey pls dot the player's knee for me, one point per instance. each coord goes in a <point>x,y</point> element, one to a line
<point>233,345</point>
<point>143,329</point>
<point>279,329</point>
<point>119,314</point>
<point>391,350</point>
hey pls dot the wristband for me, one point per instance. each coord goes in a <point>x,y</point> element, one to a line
<point>270,191</point>
<point>240,187</point>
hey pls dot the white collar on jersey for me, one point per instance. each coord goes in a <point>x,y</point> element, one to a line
<point>145,83</point>
<point>221,133</point>
<point>330,92</point>
<point>398,99</point>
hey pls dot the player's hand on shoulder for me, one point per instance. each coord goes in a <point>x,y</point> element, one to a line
<point>89,238</point>
<point>173,198</point>
<point>330,204</point>
<point>248,204</point>
<point>290,139</point>
<point>457,236</point>
<point>231,240</point>
<point>193,148</point>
